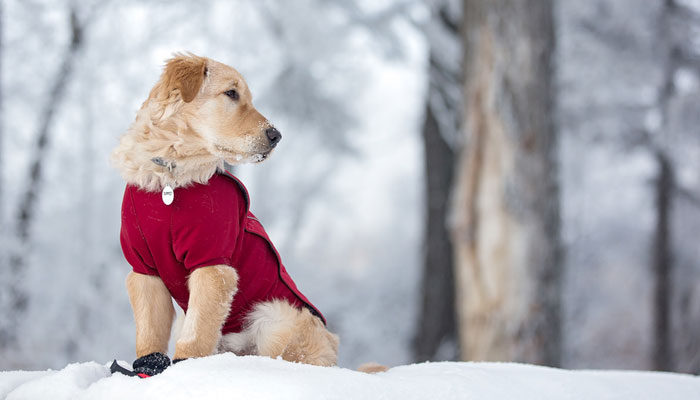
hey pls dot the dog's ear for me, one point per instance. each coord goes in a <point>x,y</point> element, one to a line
<point>185,73</point>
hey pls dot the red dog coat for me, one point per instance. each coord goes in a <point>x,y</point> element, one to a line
<point>206,225</point>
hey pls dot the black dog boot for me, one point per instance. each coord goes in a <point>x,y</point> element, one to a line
<point>151,364</point>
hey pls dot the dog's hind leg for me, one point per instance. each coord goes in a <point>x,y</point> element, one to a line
<point>211,291</point>
<point>153,313</point>
<point>281,330</point>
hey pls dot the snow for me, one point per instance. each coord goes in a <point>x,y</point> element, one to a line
<point>229,376</point>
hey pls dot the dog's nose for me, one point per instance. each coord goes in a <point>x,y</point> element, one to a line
<point>274,135</point>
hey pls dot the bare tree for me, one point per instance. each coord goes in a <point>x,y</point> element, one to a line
<point>506,209</point>
<point>663,127</point>
<point>2,26</point>
<point>27,205</point>
<point>2,203</point>
<point>662,257</point>
<point>437,316</point>
<point>331,118</point>
<point>675,26</point>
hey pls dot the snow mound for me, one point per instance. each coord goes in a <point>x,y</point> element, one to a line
<point>230,377</point>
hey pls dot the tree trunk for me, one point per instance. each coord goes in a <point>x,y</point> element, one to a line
<point>663,360</point>
<point>506,204</point>
<point>436,331</point>
<point>436,323</point>
<point>662,259</point>
<point>2,198</point>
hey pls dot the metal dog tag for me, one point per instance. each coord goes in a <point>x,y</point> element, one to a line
<point>168,195</point>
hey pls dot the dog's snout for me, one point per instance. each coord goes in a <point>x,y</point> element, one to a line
<point>274,135</point>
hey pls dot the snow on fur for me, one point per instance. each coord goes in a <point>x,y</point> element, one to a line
<point>250,378</point>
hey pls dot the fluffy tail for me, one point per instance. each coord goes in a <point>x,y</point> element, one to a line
<point>372,368</point>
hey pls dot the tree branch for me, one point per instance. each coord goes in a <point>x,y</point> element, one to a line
<point>26,211</point>
<point>687,195</point>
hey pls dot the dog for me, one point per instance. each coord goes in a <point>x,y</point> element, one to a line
<point>189,235</point>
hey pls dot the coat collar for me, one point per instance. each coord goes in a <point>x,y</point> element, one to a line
<point>241,186</point>
<point>170,165</point>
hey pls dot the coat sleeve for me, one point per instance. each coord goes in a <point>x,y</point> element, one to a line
<point>137,263</point>
<point>205,229</point>
<point>133,244</point>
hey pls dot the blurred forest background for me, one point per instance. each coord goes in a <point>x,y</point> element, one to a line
<point>459,179</point>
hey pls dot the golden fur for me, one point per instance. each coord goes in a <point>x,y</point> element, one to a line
<point>277,329</point>
<point>191,122</point>
<point>211,292</point>
<point>372,368</point>
<point>153,312</point>
<point>197,133</point>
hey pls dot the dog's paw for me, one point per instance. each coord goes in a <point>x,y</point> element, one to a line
<point>151,364</point>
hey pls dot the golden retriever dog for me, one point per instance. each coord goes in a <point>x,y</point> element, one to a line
<point>199,115</point>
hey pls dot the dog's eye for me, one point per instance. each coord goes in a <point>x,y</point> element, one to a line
<point>233,94</point>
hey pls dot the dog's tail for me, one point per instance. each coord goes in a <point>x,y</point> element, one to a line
<point>372,368</point>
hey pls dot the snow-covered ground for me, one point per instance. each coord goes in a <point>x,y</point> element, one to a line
<point>229,377</point>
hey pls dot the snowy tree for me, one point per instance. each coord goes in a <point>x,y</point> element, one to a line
<point>506,210</point>
<point>16,298</point>
<point>674,142</point>
<point>629,151</point>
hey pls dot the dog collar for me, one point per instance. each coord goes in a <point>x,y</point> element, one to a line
<point>170,165</point>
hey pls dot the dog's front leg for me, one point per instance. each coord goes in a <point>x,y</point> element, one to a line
<point>153,313</point>
<point>211,291</point>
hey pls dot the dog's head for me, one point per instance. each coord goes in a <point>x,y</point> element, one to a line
<point>215,103</point>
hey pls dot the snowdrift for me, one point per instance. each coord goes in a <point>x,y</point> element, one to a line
<point>229,377</point>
